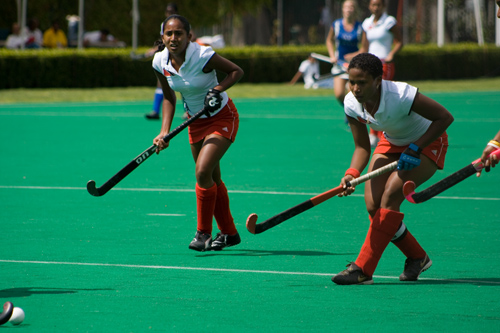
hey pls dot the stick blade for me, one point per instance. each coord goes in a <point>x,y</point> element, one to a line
<point>8,307</point>
<point>92,189</point>
<point>409,191</point>
<point>251,222</point>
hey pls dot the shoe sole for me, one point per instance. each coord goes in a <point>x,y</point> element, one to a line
<point>218,248</point>
<point>353,284</point>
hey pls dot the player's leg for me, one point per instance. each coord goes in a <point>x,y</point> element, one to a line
<point>387,221</point>
<point>157,101</point>
<point>383,197</point>
<point>417,259</point>
<point>378,236</point>
<point>339,89</point>
<point>210,202</point>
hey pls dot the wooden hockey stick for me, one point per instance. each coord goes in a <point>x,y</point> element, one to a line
<point>255,228</point>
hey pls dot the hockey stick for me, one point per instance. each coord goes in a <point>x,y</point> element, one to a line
<point>97,192</point>
<point>8,307</point>
<point>340,66</point>
<point>255,228</point>
<point>444,184</point>
<point>321,57</point>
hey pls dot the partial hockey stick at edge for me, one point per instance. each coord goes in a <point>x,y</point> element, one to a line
<point>255,228</point>
<point>8,307</point>
<point>99,191</point>
<point>444,184</point>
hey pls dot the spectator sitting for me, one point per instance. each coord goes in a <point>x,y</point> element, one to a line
<point>15,40</point>
<point>101,38</point>
<point>54,37</point>
<point>34,36</point>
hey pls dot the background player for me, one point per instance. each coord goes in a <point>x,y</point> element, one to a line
<point>342,44</point>
<point>171,9</point>
<point>187,67</point>
<point>308,70</point>
<point>383,39</point>
<point>414,127</point>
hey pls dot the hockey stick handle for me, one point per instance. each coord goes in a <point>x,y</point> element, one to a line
<point>373,174</point>
<point>310,203</point>
<point>355,182</point>
<point>445,183</point>
<point>131,166</point>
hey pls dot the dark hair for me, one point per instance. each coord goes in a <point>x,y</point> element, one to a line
<point>184,21</point>
<point>172,5</point>
<point>185,25</point>
<point>368,63</point>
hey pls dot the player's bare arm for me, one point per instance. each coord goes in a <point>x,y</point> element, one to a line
<point>168,111</point>
<point>221,64</point>
<point>432,110</point>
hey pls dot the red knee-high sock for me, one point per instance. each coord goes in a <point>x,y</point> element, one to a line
<point>205,204</point>
<point>222,213</point>
<point>410,247</point>
<point>383,226</point>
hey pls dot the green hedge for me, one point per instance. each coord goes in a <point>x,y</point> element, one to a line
<point>88,68</point>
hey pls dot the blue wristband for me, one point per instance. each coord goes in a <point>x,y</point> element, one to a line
<point>416,148</point>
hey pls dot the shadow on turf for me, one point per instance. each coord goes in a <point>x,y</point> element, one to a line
<point>260,253</point>
<point>29,291</point>
<point>492,282</point>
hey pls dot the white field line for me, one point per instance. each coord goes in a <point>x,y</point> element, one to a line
<point>230,191</point>
<point>227,270</point>
<point>11,111</point>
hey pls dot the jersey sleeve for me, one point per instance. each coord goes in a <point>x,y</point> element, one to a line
<point>390,22</point>
<point>408,96</point>
<point>157,62</point>
<point>351,106</point>
<point>206,53</point>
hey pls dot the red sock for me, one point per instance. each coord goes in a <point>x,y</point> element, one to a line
<point>410,247</point>
<point>222,213</point>
<point>383,226</point>
<point>205,204</point>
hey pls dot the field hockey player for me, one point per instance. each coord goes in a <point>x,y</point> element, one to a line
<point>414,135</point>
<point>188,68</point>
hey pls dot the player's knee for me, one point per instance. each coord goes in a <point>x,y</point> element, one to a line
<point>203,175</point>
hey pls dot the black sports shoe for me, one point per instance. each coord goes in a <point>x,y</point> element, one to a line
<point>352,275</point>
<point>414,267</point>
<point>152,115</point>
<point>201,242</point>
<point>223,240</point>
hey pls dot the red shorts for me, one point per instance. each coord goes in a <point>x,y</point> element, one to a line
<point>225,123</point>
<point>436,151</point>
<point>389,71</point>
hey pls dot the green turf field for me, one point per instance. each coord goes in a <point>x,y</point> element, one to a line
<point>121,263</point>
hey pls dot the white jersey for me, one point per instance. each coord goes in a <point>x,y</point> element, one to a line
<point>190,81</point>
<point>379,37</point>
<point>401,126</point>
<point>310,72</point>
